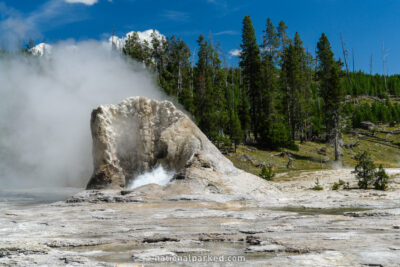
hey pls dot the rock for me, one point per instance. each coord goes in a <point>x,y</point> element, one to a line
<point>351,146</point>
<point>367,125</point>
<point>246,157</point>
<point>253,240</point>
<point>262,165</point>
<point>322,151</point>
<point>282,154</point>
<point>325,160</point>
<point>138,134</point>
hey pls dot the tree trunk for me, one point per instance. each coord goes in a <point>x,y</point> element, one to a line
<point>337,139</point>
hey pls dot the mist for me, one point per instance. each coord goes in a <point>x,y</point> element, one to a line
<point>45,107</point>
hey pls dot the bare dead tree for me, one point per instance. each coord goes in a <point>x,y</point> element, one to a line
<point>192,70</point>
<point>179,76</point>
<point>337,137</point>
<point>226,65</point>
<point>352,52</point>
<point>345,54</point>
<point>383,61</point>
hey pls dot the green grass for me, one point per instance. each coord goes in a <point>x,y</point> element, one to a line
<point>382,147</point>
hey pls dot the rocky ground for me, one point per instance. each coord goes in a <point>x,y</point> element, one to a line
<point>294,227</point>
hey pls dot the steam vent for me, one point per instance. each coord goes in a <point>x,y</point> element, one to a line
<point>139,134</point>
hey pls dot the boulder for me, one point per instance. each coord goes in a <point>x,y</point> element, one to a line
<point>138,134</point>
<point>367,125</point>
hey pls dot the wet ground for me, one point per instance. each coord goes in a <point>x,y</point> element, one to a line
<point>300,227</point>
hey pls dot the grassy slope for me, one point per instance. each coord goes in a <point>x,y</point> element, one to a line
<point>382,146</point>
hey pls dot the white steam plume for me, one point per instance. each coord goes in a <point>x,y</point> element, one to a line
<point>158,175</point>
<point>45,106</point>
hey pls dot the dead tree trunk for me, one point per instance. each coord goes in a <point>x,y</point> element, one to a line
<point>345,57</point>
<point>336,138</point>
<point>383,62</point>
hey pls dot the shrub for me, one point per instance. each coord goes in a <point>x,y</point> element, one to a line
<point>293,146</point>
<point>364,170</point>
<point>267,173</point>
<point>335,186</point>
<point>346,186</point>
<point>317,186</point>
<point>381,179</point>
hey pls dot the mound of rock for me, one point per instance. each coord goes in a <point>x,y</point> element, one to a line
<point>139,134</point>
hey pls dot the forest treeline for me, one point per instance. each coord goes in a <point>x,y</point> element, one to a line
<point>278,94</point>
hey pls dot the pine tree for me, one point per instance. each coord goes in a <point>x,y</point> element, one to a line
<point>296,87</point>
<point>133,48</point>
<point>271,42</point>
<point>290,79</point>
<point>244,113</point>
<point>364,170</point>
<point>270,117</point>
<point>159,47</point>
<point>269,72</point>
<point>282,34</point>
<point>202,82</point>
<point>381,179</point>
<point>329,75</point>
<point>209,97</point>
<point>236,132</point>
<point>250,64</point>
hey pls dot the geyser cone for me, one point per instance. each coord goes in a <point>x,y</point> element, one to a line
<point>139,134</point>
<point>134,136</point>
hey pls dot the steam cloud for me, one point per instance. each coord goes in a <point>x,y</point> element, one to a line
<point>45,106</point>
<point>157,175</point>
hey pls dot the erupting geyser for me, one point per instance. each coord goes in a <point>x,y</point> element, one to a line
<point>133,137</point>
<point>158,175</point>
<point>142,141</point>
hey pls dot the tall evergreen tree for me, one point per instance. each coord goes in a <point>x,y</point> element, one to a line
<point>159,47</point>
<point>282,34</point>
<point>250,63</point>
<point>270,117</point>
<point>210,101</point>
<point>295,68</point>
<point>329,75</point>
<point>244,112</point>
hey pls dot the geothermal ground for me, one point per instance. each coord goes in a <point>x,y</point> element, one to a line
<point>294,227</point>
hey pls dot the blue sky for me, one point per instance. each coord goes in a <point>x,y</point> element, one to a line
<point>364,24</point>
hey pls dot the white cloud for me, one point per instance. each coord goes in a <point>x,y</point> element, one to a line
<point>85,2</point>
<point>16,26</point>
<point>235,52</point>
<point>175,15</point>
<point>219,3</point>
<point>229,32</point>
